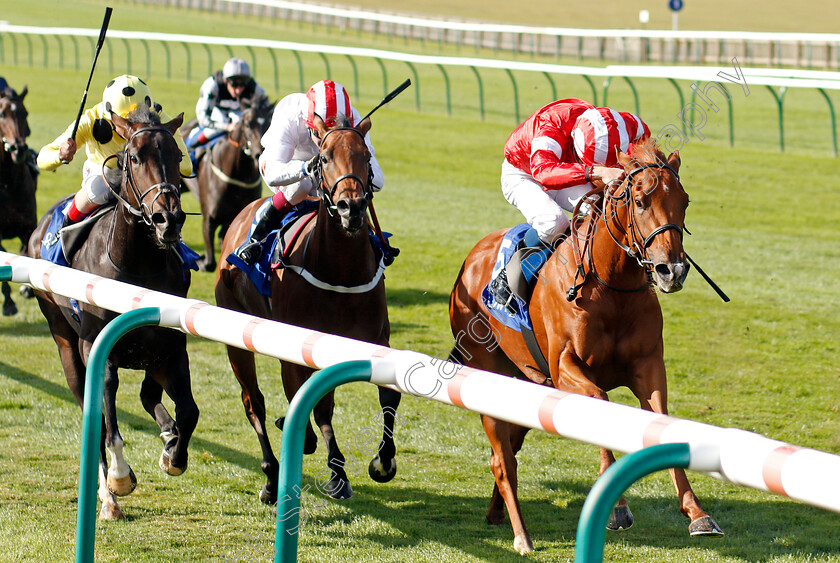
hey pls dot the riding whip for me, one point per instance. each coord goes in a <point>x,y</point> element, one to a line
<point>389,97</point>
<point>708,279</point>
<point>99,44</point>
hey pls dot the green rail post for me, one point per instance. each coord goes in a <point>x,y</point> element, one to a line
<point>291,450</point>
<point>833,119</point>
<point>92,422</point>
<point>416,85</point>
<point>553,87</point>
<point>300,69</point>
<point>591,531</point>
<point>446,83</point>
<point>326,65</point>
<point>355,75</point>
<point>384,76</point>
<point>480,92</point>
<point>5,273</point>
<point>780,99</point>
<point>515,95</point>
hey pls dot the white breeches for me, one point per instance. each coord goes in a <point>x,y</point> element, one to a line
<point>543,209</point>
<point>94,183</point>
<point>296,192</point>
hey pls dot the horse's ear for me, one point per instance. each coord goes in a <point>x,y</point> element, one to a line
<point>674,160</point>
<point>173,125</point>
<point>23,92</point>
<point>622,157</point>
<point>319,124</point>
<point>121,126</point>
<point>364,126</point>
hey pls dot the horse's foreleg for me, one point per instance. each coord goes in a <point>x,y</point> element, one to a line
<point>110,509</point>
<point>9,307</point>
<point>384,466</point>
<point>503,463</point>
<point>244,368</point>
<point>174,378</point>
<point>338,486</point>
<point>208,262</point>
<point>120,478</point>
<point>652,392</point>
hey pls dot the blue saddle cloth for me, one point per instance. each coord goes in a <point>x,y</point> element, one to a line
<point>52,247</point>
<point>260,273</point>
<point>517,314</point>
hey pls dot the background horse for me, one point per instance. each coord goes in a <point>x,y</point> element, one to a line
<point>229,178</point>
<point>135,243</point>
<point>608,335</point>
<point>335,250</point>
<point>18,180</point>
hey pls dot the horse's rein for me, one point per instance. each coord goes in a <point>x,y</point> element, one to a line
<point>163,187</point>
<point>327,193</point>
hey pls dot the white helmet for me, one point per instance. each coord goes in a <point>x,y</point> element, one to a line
<point>234,68</point>
<point>124,93</point>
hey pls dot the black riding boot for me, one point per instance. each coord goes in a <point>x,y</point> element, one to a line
<point>250,251</point>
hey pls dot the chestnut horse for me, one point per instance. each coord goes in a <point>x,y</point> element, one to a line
<point>18,180</point>
<point>136,243</point>
<point>595,316</point>
<point>333,284</point>
<point>229,178</point>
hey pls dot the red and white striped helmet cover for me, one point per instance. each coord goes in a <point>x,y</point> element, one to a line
<point>598,131</point>
<point>329,100</point>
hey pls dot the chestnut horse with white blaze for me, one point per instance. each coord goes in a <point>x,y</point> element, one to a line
<point>595,316</point>
<point>332,283</point>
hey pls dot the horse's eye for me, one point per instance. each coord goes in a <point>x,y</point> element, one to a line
<point>134,159</point>
<point>639,203</point>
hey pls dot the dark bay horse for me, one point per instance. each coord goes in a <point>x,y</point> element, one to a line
<point>333,250</point>
<point>136,243</point>
<point>610,333</point>
<point>18,180</point>
<point>229,178</point>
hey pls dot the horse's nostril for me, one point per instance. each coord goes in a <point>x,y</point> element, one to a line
<point>180,217</point>
<point>343,205</point>
<point>663,270</point>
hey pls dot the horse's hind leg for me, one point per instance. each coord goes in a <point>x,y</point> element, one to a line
<point>9,307</point>
<point>120,478</point>
<point>503,436</point>
<point>384,466</point>
<point>245,370</point>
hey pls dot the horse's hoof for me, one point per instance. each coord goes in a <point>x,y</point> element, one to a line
<point>621,518</point>
<point>110,511</point>
<point>27,291</point>
<point>266,496</point>
<point>523,544</point>
<point>122,486</point>
<point>705,526</point>
<point>166,464</point>
<point>339,489</point>
<point>207,266</point>
<point>279,421</point>
<point>10,310</point>
<point>379,472</point>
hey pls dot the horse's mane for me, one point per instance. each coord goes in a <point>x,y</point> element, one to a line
<point>647,151</point>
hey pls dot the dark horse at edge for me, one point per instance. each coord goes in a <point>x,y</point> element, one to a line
<point>135,242</point>
<point>333,250</point>
<point>18,180</point>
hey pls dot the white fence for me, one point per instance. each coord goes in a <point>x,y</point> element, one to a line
<point>625,45</point>
<point>738,456</point>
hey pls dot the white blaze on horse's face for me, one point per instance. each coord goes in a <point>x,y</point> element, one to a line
<point>659,202</point>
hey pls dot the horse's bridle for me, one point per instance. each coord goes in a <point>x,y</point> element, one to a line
<point>327,193</point>
<point>639,242</point>
<point>637,249</point>
<point>144,212</point>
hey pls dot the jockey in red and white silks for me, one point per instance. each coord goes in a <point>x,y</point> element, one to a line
<point>289,143</point>
<point>291,146</point>
<point>553,158</point>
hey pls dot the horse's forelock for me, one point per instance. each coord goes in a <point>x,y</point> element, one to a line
<point>647,151</point>
<point>145,115</point>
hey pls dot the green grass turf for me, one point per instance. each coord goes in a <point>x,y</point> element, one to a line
<point>765,228</point>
